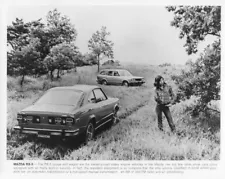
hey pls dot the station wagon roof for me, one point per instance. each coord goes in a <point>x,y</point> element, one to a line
<point>113,69</point>
<point>84,88</point>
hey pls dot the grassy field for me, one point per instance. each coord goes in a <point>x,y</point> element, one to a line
<point>135,137</point>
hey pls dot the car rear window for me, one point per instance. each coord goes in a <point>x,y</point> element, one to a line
<point>61,97</point>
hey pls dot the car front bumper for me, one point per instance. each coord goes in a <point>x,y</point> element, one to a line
<point>136,82</point>
<point>46,133</point>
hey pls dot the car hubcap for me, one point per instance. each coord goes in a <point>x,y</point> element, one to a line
<point>125,84</point>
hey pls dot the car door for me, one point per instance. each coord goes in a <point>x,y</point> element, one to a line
<point>110,77</point>
<point>94,107</point>
<point>89,110</point>
<point>117,78</point>
<point>101,76</point>
<point>103,104</point>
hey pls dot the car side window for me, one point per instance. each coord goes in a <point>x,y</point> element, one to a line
<point>99,95</point>
<point>110,73</point>
<point>103,73</point>
<point>116,73</point>
<point>91,98</point>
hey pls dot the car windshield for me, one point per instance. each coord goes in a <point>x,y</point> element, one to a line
<point>61,97</point>
<point>125,73</point>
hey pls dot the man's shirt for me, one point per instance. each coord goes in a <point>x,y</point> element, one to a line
<point>165,95</point>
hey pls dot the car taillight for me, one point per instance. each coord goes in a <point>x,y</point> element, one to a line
<point>51,120</point>
<point>36,119</point>
<point>69,120</point>
<point>63,122</point>
<point>24,119</point>
<point>19,117</point>
<point>58,120</point>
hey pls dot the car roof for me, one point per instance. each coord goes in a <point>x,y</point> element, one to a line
<point>80,87</point>
<point>113,69</point>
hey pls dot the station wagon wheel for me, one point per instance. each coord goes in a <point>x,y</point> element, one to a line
<point>125,83</point>
<point>89,132</point>
<point>104,82</point>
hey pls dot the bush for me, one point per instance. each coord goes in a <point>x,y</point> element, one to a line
<point>201,79</point>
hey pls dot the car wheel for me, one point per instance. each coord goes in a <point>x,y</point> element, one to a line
<point>104,82</point>
<point>125,83</point>
<point>90,130</point>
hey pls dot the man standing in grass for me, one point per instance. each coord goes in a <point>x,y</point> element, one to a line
<point>165,98</point>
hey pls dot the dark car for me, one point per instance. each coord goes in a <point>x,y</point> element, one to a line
<point>68,111</point>
<point>118,77</point>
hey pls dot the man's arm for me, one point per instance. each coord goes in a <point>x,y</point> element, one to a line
<point>157,99</point>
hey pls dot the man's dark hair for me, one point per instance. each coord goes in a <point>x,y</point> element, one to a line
<point>157,80</point>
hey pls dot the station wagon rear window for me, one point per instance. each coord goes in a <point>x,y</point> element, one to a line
<point>103,73</point>
<point>61,97</point>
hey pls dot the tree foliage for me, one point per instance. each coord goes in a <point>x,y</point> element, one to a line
<point>24,61</point>
<point>195,23</point>
<point>58,30</point>
<point>61,57</point>
<point>19,33</point>
<point>100,45</point>
<point>202,79</point>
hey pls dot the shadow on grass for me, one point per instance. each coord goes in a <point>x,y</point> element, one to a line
<point>55,148</point>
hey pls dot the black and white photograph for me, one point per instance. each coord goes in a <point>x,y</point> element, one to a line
<point>117,82</point>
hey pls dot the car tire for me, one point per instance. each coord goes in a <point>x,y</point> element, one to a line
<point>115,118</point>
<point>125,83</point>
<point>89,133</point>
<point>104,82</point>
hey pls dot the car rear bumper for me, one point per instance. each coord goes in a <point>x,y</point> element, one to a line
<point>46,133</point>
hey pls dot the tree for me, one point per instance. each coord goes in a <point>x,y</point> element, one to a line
<point>61,57</point>
<point>18,33</point>
<point>202,79</point>
<point>99,45</point>
<point>59,29</point>
<point>90,59</point>
<point>23,61</point>
<point>195,23</point>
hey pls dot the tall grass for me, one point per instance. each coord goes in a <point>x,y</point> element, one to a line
<point>135,137</point>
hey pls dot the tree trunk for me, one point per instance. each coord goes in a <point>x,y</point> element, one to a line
<point>98,62</point>
<point>51,75</point>
<point>58,74</point>
<point>22,80</point>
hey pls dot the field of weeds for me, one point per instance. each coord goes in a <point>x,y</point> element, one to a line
<point>135,137</point>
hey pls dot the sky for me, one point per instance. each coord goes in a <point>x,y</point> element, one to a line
<point>141,33</point>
